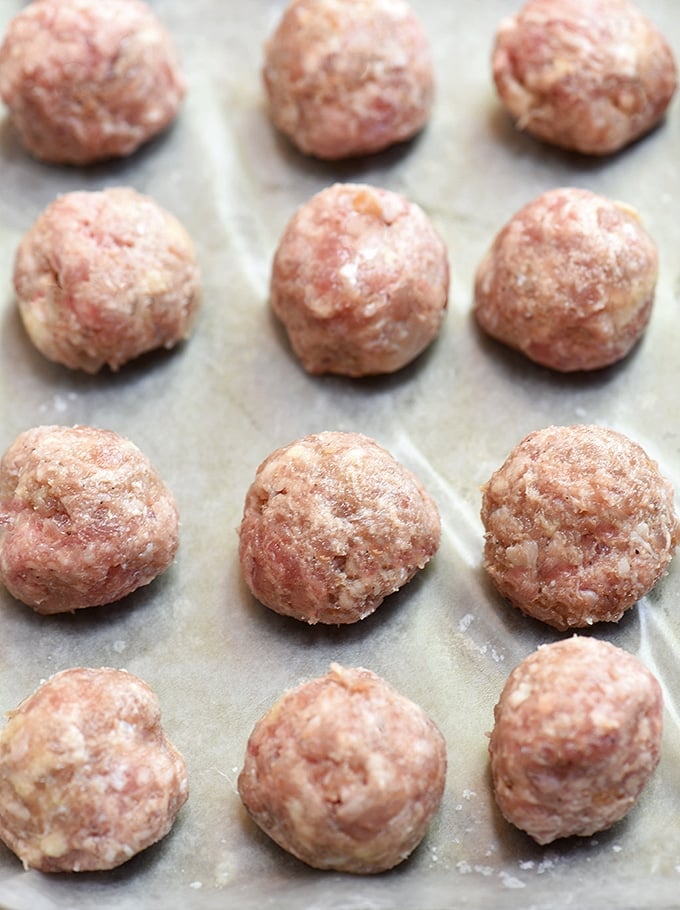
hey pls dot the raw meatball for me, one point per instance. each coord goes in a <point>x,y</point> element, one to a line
<point>344,772</point>
<point>332,524</point>
<point>102,277</point>
<point>360,281</point>
<point>579,525</point>
<point>87,775</point>
<point>348,77</point>
<point>569,281</point>
<point>84,518</point>
<point>587,75</point>
<point>577,736</point>
<point>86,80</point>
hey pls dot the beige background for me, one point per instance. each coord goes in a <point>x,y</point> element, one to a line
<point>209,413</point>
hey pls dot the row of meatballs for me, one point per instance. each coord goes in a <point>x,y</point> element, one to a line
<point>579,524</point>
<point>343,771</point>
<point>359,280</point>
<point>85,82</point>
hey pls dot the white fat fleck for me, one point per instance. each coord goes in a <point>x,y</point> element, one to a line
<point>54,844</point>
<point>298,452</point>
<point>623,567</point>
<point>119,646</point>
<point>463,867</point>
<point>468,794</point>
<point>148,549</point>
<point>196,885</point>
<point>144,777</point>
<point>378,769</point>
<point>349,271</point>
<point>118,778</point>
<point>112,854</point>
<point>640,538</point>
<point>523,555</point>
<point>520,694</point>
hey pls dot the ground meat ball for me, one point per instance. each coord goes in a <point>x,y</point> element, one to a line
<point>577,736</point>
<point>579,525</point>
<point>84,518</point>
<point>360,281</point>
<point>332,524</point>
<point>87,775</point>
<point>587,75</point>
<point>102,277</point>
<point>86,80</point>
<point>348,77</point>
<point>344,772</point>
<point>569,281</point>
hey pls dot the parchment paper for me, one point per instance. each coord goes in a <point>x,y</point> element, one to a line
<point>208,413</point>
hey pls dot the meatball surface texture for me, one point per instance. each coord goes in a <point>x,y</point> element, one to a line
<point>569,281</point>
<point>579,523</point>
<point>577,736</point>
<point>586,75</point>
<point>344,772</point>
<point>84,518</point>
<point>331,525</point>
<point>103,277</point>
<point>348,77</point>
<point>88,777</point>
<point>360,281</point>
<point>86,80</point>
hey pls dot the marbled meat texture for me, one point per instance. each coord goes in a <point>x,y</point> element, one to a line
<point>360,281</point>
<point>86,80</point>
<point>332,524</point>
<point>344,772</point>
<point>105,276</point>
<point>569,281</point>
<point>579,525</point>
<point>577,736</point>
<point>348,77</point>
<point>84,518</point>
<point>586,75</point>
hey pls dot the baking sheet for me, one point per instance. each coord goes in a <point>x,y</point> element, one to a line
<point>208,413</point>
